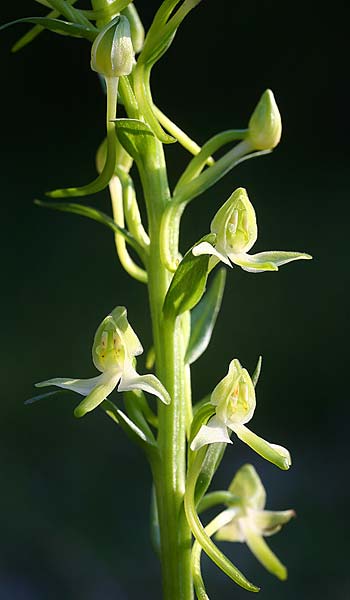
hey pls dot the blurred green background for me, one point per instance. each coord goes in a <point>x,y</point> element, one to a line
<point>74,495</point>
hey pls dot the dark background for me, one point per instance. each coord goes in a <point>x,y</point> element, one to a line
<point>74,494</point>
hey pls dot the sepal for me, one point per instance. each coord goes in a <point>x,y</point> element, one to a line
<point>248,486</point>
<point>267,261</point>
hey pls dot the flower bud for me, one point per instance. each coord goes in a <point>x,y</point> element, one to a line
<point>112,53</point>
<point>265,126</point>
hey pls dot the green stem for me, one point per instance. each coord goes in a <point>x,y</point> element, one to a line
<point>169,471</point>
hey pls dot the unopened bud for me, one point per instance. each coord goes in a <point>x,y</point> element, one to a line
<point>265,126</point>
<point>112,53</point>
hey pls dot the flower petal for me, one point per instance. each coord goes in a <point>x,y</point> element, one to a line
<point>249,262</point>
<point>131,380</point>
<point>215,431</point>
<point>266,261</point>
<point>105,385</point>
<point>279,257</point>
<point>81,386</point>
<point>206,248</point>
<point>270,522</point>
<point>262,552</point>
<point>278,455</point>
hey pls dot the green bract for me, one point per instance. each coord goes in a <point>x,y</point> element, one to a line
<point>234,398</point>
<point>112,53</point>
<point>236,232</point>
<point>265,125</point>
<point>250,523</point>
<point>114,348</point>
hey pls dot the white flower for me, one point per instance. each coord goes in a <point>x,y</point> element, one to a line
<point>236,232</point>
<point>114,348</point>
<point>250,523</point>
<point>234,399</point>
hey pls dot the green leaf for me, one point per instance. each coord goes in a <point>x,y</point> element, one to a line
<point>57,26</point>
<point>91,213</point>
<point>188,284</point>
<point>135,136</point>
<point>203,318</point>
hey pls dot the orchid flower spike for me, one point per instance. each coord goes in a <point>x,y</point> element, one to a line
<point>250,523</point>
<point>113,351</point>
<point>236,232</point>
<point>234,399</point>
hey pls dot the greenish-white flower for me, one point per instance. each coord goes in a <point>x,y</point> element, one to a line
<point>113,351</point>
<point>234,401</point>
<point>249,522</point>
<point>236,232</point>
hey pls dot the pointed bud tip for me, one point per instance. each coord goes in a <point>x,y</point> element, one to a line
<point>265,125</point>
